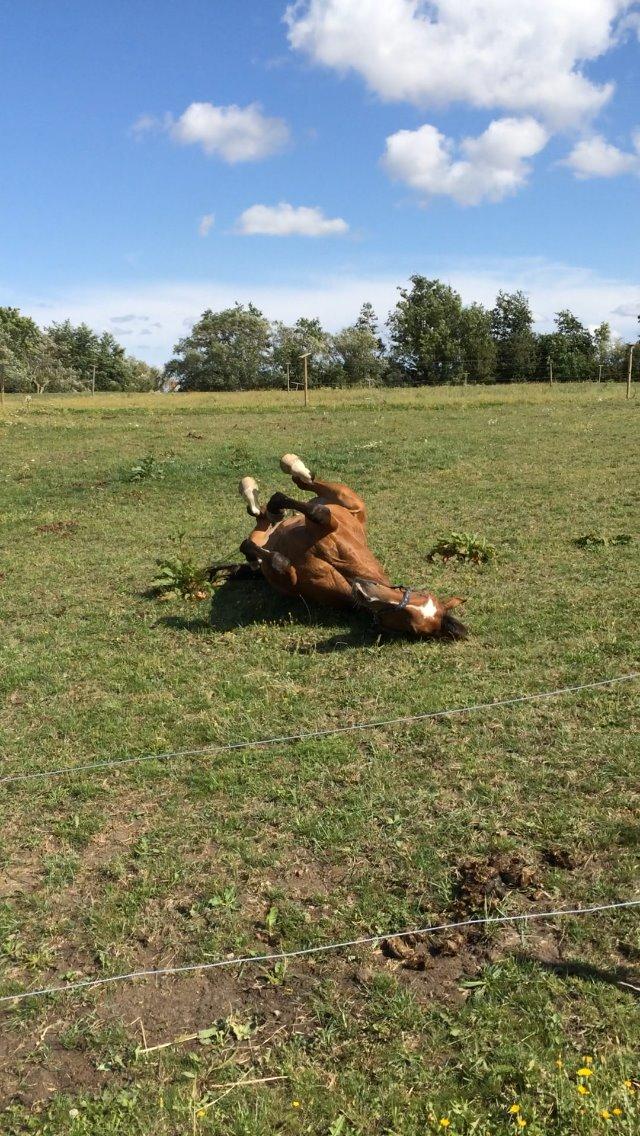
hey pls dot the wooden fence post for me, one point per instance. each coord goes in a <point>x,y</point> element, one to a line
<point>550,365</point>
<point>629,370</point>
<point>305,359</point>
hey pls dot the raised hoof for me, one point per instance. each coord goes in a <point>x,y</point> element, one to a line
<point>248,489</point>
<point>295,467</point>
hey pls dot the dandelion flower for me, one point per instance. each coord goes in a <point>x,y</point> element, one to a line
<point>515,1108</point>
<point>295,1104</point>
<point>617,1111</point>
<point>582,1090</point>
<point>605,1114</point>
<point>628,1084</point>
<point>201,1112</point>
<point>585,1072</point>
<point>445,1122</point>
<point>521,1122</point>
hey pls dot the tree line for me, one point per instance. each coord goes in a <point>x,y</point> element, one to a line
<point>430,337</point>
<point>66,358</point>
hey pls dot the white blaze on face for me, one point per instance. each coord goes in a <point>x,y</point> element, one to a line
<point>249,490</point>
<point>292,464</point>
<point>428,609</point>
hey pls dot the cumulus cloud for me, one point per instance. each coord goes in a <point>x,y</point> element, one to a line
<point>513,54</point>
<point>286,220</point>
<point>488,167</point>
<point>206,224</point>
<point>595,157</point>
<point>236,134</point>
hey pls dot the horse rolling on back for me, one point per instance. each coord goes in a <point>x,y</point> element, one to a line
<point>321,552</point>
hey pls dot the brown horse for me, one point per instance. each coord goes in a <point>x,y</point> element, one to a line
<point>321,553</point>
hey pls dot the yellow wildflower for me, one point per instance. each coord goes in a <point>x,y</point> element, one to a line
<point>445,1122</point>
<point>605,1114</point>
<point>617,1111</point>
<point>515,1108</point>
<point>588,1060</point>
<point>521,1122</point>
<point>628,1084</point>
<point>584,1072</point>
<point>582,1090</point>
<point>559,1062</point>
<point>295,1104</point>
<point>201,1112</point>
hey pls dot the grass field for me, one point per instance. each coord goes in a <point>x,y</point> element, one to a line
<point>511,810</point>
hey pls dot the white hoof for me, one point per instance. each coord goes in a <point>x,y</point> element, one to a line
<point>292,464</point>
<point>248,489</point>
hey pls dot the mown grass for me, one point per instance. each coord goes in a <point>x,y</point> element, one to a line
<point>267,849</point>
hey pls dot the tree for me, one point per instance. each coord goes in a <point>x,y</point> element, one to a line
<point>516,343</point>
<point>46,370</point>
<point>141,376</point>
<point>11,375</point>
<point>426,332</point>
<point>227,350</point>
<point>18,331</point>
<point>570,348</point>
<point>358,352</point>
<point>479,348</point>
<point>77,346</point>
<point>289,343</point>
<point>603,346</point>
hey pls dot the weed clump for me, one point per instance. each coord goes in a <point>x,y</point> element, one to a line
<point>465,547</point>
<point>598,540</point>
<point>146,469</point>
<point>179,577</point>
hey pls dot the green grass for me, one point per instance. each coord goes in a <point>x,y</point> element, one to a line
<point>278,848</point>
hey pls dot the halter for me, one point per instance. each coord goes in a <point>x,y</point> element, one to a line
<point>405,598</point>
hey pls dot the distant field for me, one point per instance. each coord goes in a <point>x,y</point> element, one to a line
<point>511,810</point>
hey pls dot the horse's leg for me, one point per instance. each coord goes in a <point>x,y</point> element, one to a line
<point>265,518</point>
<point>248,490</point>
<point>331,491</point>
<point>315,511</point>
<point>258,556</point>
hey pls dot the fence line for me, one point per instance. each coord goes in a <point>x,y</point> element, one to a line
<point>280,956</point>
<point>285,739</point>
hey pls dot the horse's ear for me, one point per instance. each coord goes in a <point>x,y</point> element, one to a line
<point>455,601</point>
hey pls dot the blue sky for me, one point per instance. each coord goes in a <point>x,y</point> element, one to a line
<point>474,141</point>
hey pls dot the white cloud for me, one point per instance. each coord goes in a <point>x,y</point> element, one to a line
<point>521,55</point>
<point>286,220</point>
<point>145,124</point>
<point>632,310</point>
<point>490,167</point>
<point>206,224</point>
<point>172,305</point>
<point>236,134</point>
<point>595,157</point>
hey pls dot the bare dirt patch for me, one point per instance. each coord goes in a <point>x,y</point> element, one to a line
<point>59,528</point>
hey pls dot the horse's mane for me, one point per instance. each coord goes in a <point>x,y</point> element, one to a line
<point>452,628</point>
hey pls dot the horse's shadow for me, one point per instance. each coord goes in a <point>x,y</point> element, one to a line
<point>249,602</point>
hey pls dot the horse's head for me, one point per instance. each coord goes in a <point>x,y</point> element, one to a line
<point>412,612</point>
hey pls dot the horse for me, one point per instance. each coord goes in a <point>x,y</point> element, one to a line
<point>318,549</point>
